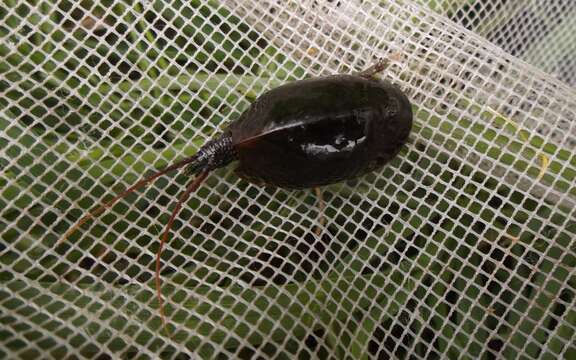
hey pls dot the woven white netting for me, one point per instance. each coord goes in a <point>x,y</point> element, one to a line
<point>538,32</point>
<point>462,247</point>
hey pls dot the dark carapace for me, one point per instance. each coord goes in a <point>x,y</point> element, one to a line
<point>303,134</point>
<point>313,132</point>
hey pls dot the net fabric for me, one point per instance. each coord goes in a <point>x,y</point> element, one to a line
<point>536,32</point>
<point>462,246</point>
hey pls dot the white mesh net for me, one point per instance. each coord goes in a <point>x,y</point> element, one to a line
<point>462,247</point>
<point>540,33</point>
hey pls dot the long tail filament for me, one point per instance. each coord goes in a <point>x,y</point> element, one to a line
<point>136,186</point>
<point>190,189</point>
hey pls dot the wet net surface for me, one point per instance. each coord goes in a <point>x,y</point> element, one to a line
<point>461,247</point>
